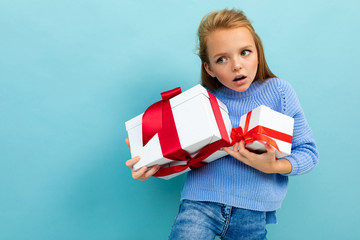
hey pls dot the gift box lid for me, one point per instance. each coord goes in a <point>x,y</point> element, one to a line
<point>265,116</point>
<point>175,101</point>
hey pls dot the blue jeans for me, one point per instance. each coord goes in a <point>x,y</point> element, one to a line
<point>205,220</point>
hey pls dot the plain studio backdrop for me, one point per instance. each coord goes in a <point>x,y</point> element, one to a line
<point>72,73</point>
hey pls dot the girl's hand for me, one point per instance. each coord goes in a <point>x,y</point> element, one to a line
<point>265,162</point>
<point>142,173</point>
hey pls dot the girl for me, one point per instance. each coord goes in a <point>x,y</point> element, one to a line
<point>237,195</point>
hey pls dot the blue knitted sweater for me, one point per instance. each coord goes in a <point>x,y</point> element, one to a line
<point>229,181</point>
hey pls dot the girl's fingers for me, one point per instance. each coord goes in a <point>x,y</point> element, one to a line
<point>127,142</point>
<point>152,171</point>
<point>130,163</point>
<point>246,153</point>
<point>229,150</point>
<point>269,148</point>
<point>139,173</point>
<point>242,145</point>
<point>233,153</point>
<point>236,147</point>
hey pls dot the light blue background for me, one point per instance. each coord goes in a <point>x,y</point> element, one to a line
<point>72,72</point>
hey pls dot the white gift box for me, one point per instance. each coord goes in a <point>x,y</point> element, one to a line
<point>195,124</point>
<point>266,117</point>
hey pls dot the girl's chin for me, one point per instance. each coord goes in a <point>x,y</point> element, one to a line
<point>239,88</point>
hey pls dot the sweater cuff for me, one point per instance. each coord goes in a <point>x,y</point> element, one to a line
<point>294,165</point>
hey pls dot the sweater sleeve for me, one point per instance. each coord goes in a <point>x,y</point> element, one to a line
<point>304,155</point>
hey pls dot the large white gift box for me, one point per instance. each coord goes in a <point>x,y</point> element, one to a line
<point>196,126</point>
<point>276,126</point>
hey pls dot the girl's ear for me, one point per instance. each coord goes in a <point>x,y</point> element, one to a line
<point>208,69</point>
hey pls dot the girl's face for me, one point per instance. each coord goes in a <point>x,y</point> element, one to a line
<point>232,57</point>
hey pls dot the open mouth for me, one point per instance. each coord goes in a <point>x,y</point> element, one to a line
<point>239,78</point>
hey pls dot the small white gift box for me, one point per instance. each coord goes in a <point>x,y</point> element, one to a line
<point>196,126</point>
<point>277,126</point>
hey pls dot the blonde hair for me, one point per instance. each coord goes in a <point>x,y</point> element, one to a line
<point>228,19</point>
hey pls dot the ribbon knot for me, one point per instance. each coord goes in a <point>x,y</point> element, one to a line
<point>237,134</point>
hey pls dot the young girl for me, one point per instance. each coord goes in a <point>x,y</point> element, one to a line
<point>237,195</point>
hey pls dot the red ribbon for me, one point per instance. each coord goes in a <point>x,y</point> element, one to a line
<point>158,118</point>
<point>259,133</point>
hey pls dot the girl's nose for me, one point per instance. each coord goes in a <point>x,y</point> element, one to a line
<point>236,64</point>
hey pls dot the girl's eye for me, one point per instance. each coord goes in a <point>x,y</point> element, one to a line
<point>221,60</point>
<point>245,52</point>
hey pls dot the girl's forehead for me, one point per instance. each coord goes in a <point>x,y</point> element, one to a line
<point>240,33</point>
<point>234,37</point>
